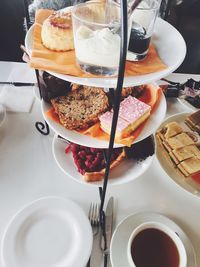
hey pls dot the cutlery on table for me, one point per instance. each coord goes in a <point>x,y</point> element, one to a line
<point>93,217</point>
<point>106,238</point>
<point>18,83</point>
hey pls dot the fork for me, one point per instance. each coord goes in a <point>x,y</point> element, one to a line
<point>93,217</point>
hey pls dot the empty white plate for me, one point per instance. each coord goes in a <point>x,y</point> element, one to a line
<point>49,232</point>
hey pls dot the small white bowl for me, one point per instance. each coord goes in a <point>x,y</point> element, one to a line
<point>165,229</point>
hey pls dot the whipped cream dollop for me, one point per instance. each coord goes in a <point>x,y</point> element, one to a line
<point>99,47</point>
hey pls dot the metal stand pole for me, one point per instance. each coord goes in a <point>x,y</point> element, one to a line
<point>43,128</point>
<point>117,97</point>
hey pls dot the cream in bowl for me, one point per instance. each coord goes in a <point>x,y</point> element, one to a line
<point>154,244</point>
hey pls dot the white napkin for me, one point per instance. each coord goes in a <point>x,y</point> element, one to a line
<point>17,98</point>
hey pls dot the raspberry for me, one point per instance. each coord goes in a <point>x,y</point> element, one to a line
<point>89,159</point>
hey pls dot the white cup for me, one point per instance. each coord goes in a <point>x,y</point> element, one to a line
<point>156,225</point>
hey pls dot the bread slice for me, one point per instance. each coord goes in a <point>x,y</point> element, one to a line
<point>81,108</point>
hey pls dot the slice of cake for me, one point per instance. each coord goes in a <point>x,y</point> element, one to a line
<point>106,122</point>
<point>132,113</point>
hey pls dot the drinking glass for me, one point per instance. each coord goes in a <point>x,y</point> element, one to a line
<point>96,27</point>
<point>143,21</point>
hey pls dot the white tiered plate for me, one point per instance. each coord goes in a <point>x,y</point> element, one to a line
<point>124,230</point>
<point>51,232</point>
<point>127,171</point>
<point>187,105</point>
<point>169,43</point>
<point>186,183</point>
<point>151,125</point>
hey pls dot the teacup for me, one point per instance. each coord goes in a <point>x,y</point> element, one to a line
<point>154,244</point>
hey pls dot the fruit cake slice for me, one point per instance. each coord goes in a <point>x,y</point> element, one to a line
<point>90,161</point>
<point>80,108</point>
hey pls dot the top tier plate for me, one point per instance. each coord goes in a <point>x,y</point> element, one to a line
<point>169,43</point>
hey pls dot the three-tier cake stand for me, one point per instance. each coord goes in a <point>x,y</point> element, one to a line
<point>115,85</point>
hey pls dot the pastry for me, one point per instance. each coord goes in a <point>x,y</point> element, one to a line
<point>132,113</point>
<point>189,166</point>
<point>90,162</point>
<point>178,141</point>
<point>80,108</point>
<point>185,152</point>
<point>57,32</point>
<point>169,130</point>
<point>181,147</point>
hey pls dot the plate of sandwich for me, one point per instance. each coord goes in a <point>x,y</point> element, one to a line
<point>178,150</point>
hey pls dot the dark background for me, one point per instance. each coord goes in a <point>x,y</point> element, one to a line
<point>185,17</point>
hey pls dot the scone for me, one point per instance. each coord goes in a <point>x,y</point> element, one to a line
<point>80,108</point>
<point>57,32</point>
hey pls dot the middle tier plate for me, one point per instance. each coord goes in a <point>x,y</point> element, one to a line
<point>150,127</point>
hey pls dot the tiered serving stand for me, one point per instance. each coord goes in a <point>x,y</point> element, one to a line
<point>171,38</point>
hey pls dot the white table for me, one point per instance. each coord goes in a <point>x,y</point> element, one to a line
<point>28,171</point>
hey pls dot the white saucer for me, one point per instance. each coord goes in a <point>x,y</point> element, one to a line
<point>150,127</point>
<point>168,41</point>
<point>2,114</point>
<point>127,171</point>
<point>49,232</point>
<point>123,231</point>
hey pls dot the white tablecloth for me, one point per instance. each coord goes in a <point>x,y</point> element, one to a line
<point>28,171</point>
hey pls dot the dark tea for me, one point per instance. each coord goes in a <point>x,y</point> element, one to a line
<point>153,248</point>
<point>138,43</point>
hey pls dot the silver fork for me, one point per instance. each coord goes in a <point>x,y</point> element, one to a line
<point>93,217</point>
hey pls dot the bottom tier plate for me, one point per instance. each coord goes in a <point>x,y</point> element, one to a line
<point>128,170</point>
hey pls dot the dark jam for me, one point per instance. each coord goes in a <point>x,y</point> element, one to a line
<point>153,248</point>
<point>138,43</point>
